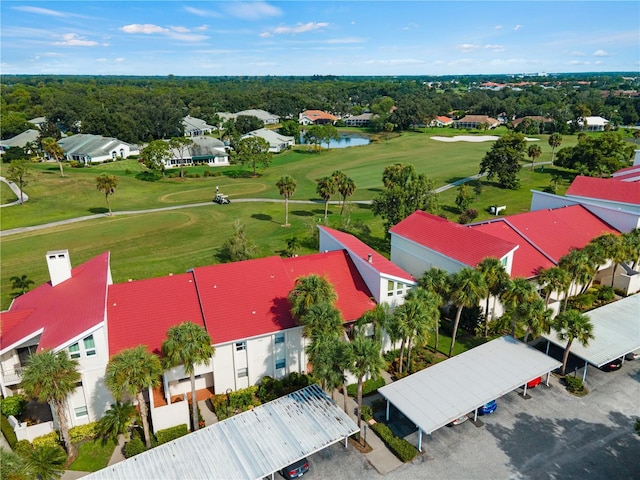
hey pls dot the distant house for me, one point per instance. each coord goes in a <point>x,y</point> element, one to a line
<point>474,121</point>
<point>195,127</point>
<point>316,117</point>
<point>441,121</point>
<point>21,140</point>
<point>38,122</point>
<point>540,120</point>
<point>362,120</point>
<point>277,143</point>
<point>87,148</point>
<point>204,150</point>
<point>593,124</point>
<point>266,117</point>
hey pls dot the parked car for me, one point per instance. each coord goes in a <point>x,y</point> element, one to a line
<point>458,421</point>
<point>632,355</point>
<point>488,408</point>
<point>534,383</point>
<point>296,469</point>
<point>612,366</point>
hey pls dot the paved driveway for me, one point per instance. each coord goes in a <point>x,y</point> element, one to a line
<point>552,435</point>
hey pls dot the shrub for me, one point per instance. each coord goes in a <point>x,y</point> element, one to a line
<point>606,293</point>
<point>399,446</point>
<point>574,384</point>
<point>367,413</point>
<point>14,405</point>
<point>83,432</point>
<point>23,448</point>
<point>133,447</point>
<point>8,432</point>
<point>368,387</point>
<point>172,433</point>
<point>50,439</point>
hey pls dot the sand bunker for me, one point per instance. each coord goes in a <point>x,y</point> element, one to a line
<point>475,138</point>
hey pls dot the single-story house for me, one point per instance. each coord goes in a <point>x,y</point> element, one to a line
<point>203,150</point>
<point>474,121</point>
<point>277,143</point>
<point>361,120</point>
<point>195,127</point>
<point>441,121</point>
<point>266,117</point>
<point>593,124</point>
<point>21,140</point>
<point>316,117</point>
<point>38,122</point>
<point>87,148</point>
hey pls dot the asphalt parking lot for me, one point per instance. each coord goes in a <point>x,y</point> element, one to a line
<point>552,435</point>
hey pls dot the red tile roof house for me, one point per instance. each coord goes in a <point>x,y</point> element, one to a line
<point>522,242</point>
<point>243,306</point>
<point>316,117</point>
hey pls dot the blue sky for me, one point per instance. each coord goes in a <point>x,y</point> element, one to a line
<point>318,37</point>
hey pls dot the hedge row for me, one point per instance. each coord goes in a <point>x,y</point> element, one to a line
<point>83,432</point>
<point>8,432</point>
<point>368,387</point>
<point>172,433</point>
<point>399,446</point>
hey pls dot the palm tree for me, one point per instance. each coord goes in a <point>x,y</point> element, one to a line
<point>21,283</point>
<point>12,466</point>
<point>519,292</point>
<point>436,280</point>
<point>188,344</point>
<point>366,361</point>
<point>534,152</point>
<point>325,188</point>
<point>287,187</point>
<point>537,318</point>
<point>107,184</point>
<point>330,364</point>
<point>631,241</point>
<point>572,325</point>
<point>345,186</point>
<point>496,278</point>
<point>553,279</point>
<point>421,312</point>
<point>54,151</point>
<point>116,421</point>
<point>467,287</point>
<point>130,372</point>
<point>308,291</point>
<point>399,329</point>
<point>51,377</point>
<point>555,139</point>
<point>377,318</point>
<point>580,268</point>
<point>46,462</point>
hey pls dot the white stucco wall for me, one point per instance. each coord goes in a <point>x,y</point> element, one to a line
<point>416,259</point>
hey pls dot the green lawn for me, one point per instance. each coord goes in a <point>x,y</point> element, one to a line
<point>6,195</point>
<point>93,455</point>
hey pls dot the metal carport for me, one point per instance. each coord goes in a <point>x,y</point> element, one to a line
<point>251,445</point>
<point>616,331</point>
<point>443,392</point>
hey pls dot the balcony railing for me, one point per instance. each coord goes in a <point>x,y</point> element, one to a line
<point>12,377</point>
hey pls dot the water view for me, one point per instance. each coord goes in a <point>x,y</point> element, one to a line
<point>345,140</point>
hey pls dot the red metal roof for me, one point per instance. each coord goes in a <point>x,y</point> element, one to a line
<point>318,115</point>
<point>459,242</point>
<point>62,312</point>
<point>249,298</point>
<point>361,250</point>
<point>141,312</point>
<point>605,189</point>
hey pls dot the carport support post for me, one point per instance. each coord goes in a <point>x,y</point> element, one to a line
<point>547,381</point>
<point>419,439</point>
<point>387,409</point>
<point>584,375</point>
<point>525,390</point>
<point>548,343</point>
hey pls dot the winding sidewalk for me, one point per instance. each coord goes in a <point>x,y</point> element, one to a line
<point>16,190</point>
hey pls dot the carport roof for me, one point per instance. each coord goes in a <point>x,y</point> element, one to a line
<point>443,392</point>
<point>616,331</point>
<point>250,445</point>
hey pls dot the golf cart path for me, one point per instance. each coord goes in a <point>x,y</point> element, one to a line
<point>14,231</point>
<point>16,190</point>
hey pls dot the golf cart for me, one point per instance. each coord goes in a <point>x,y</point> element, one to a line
<point>221,199</point>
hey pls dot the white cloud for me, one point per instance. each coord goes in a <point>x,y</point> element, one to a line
<point>498,27</point>
<point>75,40</point>
<point>101,60</point>
<point>600,53</point>
<point>395,61</point>
<point>300,28</point>
<point>265,35</point>
<point>411,26</point>
<point>577,54</point>
<point>177,33</point>
<point>201,28</point>
<point>146,28</point>
<point>202,13</point>
<point>252,10</point>
<point>468,47</point>
<point>517,27</point>
<point>495,48</point>
<point>180,29</point>
<point>342,41</point>
<point>579,62</point>
<point>40,11</point>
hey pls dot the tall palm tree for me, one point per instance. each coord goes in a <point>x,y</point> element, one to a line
<point>534,152</point>
<point>188,344</point>
<point>345,186</point>
<point>436,280</point>
<point>21,283</point>
<point>631,241</point>
<point>518,292</point>
<point>325,188</point>
<point>496,279</point>
<point>580,268</point>
<point>54,151</point>
<point>107,184</point>
<point>572,325</point>
<point>537,318</point>
<point>308,291</point>
<point>46,462</point>
<point>322,320</point>
<point>116,421</point>
<point>366,361</point>
<point>400,329</point>
<point>421,313</point>
<point>12,466</point>
<point>553,279</point>
<point>51,377</point>
<point>555,139</point>
<point>287,187</point>
<point>467,287</point>
<point>130,372</point>
<point>377,318</point>
<point>330,364</point>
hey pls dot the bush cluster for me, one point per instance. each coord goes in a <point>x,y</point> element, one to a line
<point>133,447</point>
<point>367,413</point>
<point>574,384</point>
<point>50,439</point>
<point>14,405</point>
<point>83,432</point>
<point>172,433</point>
<point>270,388</point>
<point>596,296</point>
<point>399,446</point>
<point>8,432</point>
<point>239,401</point>
<point>368,387</point>
<point>23,448</point>
<point>208,173</point>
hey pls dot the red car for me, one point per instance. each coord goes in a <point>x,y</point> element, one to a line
<point>534,383</point>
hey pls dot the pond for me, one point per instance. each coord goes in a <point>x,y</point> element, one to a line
<point>345,140</point>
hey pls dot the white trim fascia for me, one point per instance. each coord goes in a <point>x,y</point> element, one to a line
<point>22,340</point>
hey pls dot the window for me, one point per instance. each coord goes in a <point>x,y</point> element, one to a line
<point>243,372</point>
<point>390,287</point>
<point>281,363</point>
<point>74,350</point>
<point>504,261</point>
<point>279,338</point>
<point>241,346</point>
<point>81,411</point>
<point>89,346</point>
<point>400,288</point>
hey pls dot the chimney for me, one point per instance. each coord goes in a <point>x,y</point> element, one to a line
<point>59,265</point>
<point>370,258</point>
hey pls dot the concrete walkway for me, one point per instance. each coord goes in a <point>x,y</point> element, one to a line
<point>16,190</point>
<point>207,414</point>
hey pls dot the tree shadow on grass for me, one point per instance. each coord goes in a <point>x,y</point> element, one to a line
<point>302,213</point>
<point>262,216</point>
<point>148,176</point>
<point>454,179</point>
<point>96,210</point>
<point>241,174</point>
